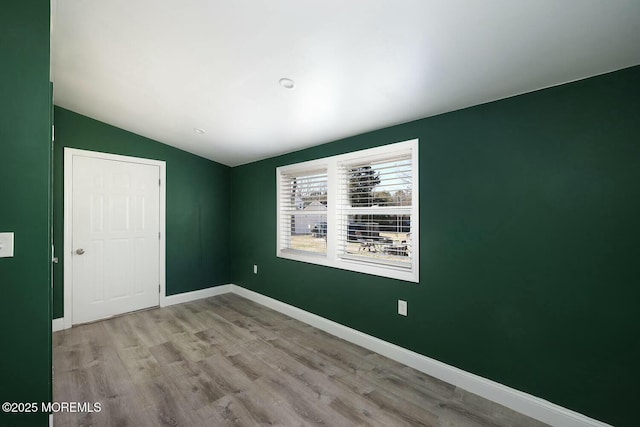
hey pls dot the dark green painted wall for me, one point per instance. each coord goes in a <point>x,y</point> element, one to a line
<point>529,231</point>
<point>529,245</point>
<point>198,211</point>
<point>25,159</point>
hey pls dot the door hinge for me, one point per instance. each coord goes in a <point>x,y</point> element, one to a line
<point>159,183</point>
<point>159,288</point>
<point>158,235</point>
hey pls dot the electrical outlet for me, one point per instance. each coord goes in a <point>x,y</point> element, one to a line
<point>255,268</point>
<point>402,307</point>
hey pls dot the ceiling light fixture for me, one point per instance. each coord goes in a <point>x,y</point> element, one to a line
<point>287,83</point>
<point>199,131</point>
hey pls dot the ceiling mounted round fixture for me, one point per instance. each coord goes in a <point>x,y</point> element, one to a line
<point>287,83</point>
<point>199,131</point>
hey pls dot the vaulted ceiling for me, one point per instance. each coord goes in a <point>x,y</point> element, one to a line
<point>203,75</point>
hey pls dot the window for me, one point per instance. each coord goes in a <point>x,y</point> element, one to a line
<point>303,211</point>
<point>357,211</point>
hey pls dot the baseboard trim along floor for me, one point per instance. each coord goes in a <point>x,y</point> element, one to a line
<point>58,324</point>
<point>165,301</point>
<point>534,407</point>
<point>195,295</point>
<point>527,404</point>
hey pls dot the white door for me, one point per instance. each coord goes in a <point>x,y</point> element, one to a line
<point>115,237</point>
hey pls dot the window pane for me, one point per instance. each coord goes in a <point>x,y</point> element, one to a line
<point>303,203</point>
<point>380,238</point>
<point>380,183</point>
<point>302,192</point>
<point>306,232</point>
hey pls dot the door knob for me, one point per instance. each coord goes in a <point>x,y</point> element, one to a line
<point>80,251</point>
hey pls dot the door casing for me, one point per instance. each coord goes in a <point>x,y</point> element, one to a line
<point>69,154</point>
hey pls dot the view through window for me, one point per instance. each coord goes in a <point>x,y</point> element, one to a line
<point>357,211</point>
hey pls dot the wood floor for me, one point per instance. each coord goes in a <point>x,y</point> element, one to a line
<point>226,361</point>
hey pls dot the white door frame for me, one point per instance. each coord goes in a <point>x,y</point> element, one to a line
<point>69,154</point>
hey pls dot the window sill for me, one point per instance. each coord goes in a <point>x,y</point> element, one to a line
<point>406,274</point>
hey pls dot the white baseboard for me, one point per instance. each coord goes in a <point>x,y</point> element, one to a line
<point>194,295</point>
<point>63,323</point>
<point>526,404</point>
<point>58,324</point>
<point>519,401</point>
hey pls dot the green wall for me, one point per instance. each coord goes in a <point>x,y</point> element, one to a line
<point>529,231</point>
<point>198,211</point>
<point>25,209</point>
<point>529,245</point>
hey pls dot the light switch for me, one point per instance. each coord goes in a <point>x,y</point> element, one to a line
<point>6,245</point>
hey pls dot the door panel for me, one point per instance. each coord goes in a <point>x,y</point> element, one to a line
<point>116,223</point>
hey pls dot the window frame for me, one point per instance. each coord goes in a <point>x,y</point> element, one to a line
<point>333,258</point>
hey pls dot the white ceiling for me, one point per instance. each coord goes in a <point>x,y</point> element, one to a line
<point>161,68</point>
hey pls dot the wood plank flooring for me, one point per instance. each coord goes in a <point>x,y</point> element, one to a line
<point>226,361</point>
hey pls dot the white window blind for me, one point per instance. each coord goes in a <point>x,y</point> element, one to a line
<point>375,207</point>
<point>356,211</point>
<point>303,211</point>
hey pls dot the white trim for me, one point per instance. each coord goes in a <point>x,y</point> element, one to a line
<point>163,232</point>
<point>519,401</point>
<point>58,324</point>
<point>524,403</point>
<point>195,295</point>
<point>69,154</point>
